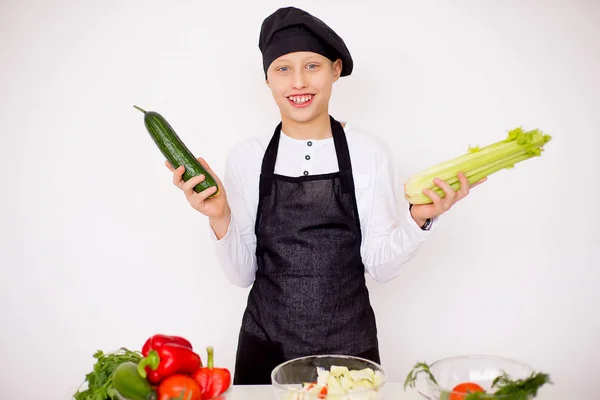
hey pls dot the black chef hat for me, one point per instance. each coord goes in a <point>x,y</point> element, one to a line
<point>290,29</point>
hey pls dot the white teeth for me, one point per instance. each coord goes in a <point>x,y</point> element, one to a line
<point>300,99</point>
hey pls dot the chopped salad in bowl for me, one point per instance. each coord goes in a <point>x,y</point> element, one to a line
<point>328,377</point>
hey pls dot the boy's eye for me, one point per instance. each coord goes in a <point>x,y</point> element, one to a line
<point>282,69</point>
<point>313,66</point>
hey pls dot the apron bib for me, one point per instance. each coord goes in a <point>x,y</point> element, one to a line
<point>309,295</point>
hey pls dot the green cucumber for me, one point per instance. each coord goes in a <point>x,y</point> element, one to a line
<point>130,385</point>
<point>176,152</point>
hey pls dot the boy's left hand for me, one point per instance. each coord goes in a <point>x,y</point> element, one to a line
<point>422,212</point>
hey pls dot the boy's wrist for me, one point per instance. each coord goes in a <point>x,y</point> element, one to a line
<point>420,222</point>
<point>423,223</point>
<point>220,224</point>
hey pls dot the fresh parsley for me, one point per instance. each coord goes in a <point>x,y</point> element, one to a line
<point>99,381</point>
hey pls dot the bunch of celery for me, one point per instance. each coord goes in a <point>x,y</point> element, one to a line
<point>477,164</point>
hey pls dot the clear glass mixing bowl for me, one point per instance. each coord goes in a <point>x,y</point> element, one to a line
<point>479,369</point>
<point>287,378</point>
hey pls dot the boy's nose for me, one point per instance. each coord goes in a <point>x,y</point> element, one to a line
<point>299,81</point>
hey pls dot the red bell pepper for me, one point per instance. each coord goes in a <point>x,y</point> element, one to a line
<point>322,392</point>
<point>212,381</point>
<point>165,356</point>
<point>156,341</point>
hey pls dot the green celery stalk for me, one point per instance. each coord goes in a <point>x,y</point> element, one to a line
<point>477,163</point>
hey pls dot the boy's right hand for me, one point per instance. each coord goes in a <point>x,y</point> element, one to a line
<point>216,208</point>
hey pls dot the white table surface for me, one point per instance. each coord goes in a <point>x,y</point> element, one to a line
<point>393,391</point>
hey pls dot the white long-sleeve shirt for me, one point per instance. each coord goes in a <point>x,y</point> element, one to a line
<point>389,239</point>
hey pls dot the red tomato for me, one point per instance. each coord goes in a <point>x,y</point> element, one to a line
<point>461,390</point>
<point>175,386</point>
<point>323,393</point>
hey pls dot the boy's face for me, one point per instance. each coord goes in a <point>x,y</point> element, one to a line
<point>301,84</point>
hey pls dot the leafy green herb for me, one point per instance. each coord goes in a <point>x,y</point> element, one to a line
<point>529,385</point>
<point>508,389</point>
<point>419,367</point>
<point>479,396</point>
<point>100,379</point>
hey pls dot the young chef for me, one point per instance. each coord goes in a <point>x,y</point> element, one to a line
<point>307,210</point>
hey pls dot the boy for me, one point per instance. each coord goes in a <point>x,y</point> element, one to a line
<point>307,210</point>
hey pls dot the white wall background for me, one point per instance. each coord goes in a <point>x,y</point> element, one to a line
<point>99,250</point>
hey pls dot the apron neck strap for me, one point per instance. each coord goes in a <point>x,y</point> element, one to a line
<point>341,150</point>
<point>343,155</point>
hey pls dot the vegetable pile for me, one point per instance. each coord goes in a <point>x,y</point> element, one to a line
<point>477,163</point>
<point>503,386</point>
<point>167,368</point>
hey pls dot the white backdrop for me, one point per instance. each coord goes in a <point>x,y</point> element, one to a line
<point>99,250</point>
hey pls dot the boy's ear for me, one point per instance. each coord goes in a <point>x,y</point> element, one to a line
<point>337,69</point>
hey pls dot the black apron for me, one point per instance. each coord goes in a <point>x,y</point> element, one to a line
<point>309,296</point>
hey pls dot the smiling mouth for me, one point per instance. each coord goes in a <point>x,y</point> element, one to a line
<point>302,100</point>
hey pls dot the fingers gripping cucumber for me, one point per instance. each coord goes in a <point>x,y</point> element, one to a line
<point>130,385</point>
<point>175,151</point>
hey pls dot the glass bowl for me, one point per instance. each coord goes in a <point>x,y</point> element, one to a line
<point>478,369</point>
<point>288,378</point>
